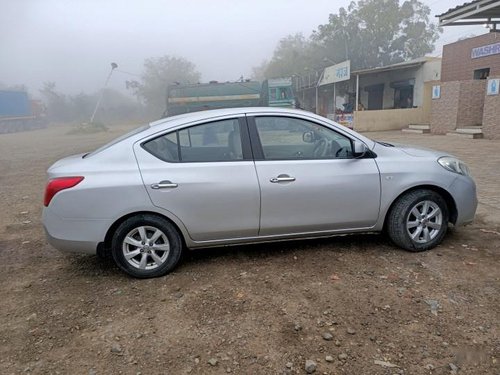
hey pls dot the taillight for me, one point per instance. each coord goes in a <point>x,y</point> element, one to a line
<point>57,184</point>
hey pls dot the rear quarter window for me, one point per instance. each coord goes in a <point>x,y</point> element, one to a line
<point>117,140</point>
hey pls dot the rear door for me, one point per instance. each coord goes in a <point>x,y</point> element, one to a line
<point>308,178</point>
<point>204,175</point>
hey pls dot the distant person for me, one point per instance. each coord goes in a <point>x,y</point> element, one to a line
<point>297,104</point>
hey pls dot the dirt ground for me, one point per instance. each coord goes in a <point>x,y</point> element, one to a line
<point>353,305</point>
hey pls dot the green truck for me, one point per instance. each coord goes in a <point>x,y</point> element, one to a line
<point>203,96</point>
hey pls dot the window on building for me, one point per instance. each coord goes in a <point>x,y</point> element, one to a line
<point>403,93</point>
<point>375,96</point>
<point>272,94</point>
<point>481,73</point>
<point>403,97</point>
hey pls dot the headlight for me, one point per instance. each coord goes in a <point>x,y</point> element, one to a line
<point>454,165</point>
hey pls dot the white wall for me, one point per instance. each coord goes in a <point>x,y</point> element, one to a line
<point>429,71</point>
<point>432,70</point>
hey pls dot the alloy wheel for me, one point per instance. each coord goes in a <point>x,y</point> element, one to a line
<point>424,222</point>
<point>146,247</point>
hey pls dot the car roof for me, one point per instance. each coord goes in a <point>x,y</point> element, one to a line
<point>193,117</point>
<point>202,115</point>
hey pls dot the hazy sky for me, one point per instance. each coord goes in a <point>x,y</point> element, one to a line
<point>73,42</point>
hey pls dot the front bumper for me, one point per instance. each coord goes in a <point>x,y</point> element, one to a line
<point>463,190</point>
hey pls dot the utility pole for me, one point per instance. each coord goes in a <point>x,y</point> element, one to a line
<point>113,67</point>
<point>317,88</point>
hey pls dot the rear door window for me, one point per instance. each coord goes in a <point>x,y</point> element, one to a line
<point>210,142</point>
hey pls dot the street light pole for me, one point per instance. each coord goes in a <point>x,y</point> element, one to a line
<point>113,67</point>
<point>317,87</point>
<point>345,43</point>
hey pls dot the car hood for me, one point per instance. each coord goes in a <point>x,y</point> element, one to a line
<point>419,151</point>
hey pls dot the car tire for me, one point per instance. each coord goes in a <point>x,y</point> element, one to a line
<point>146,246</point>
<point>418,220</point>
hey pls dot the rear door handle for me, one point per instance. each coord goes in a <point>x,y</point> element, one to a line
<point>164,185</point>
<point>282,178</point>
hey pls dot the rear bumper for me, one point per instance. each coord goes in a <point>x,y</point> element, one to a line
<point>71,235</point>
<point>82,247</point>
<point>463,191</point>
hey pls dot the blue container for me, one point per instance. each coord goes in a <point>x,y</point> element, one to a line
<point>14,104</point>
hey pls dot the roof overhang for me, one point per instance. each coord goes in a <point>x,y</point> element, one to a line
<point>416,63</point>
<point>477,12</point>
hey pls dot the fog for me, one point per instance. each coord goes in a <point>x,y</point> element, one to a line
<point>73,43</point>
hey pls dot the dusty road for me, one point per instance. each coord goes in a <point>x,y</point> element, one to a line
<point>354,305</point>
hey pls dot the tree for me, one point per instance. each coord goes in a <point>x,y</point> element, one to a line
<point>57,103</point>
<point>291,56</point>
<point>378,32</point>
<point>18,87</point>
<point>370,33</point>
<point>295,55</point>
<point>259,71</point>
<point>158,74</point>
<point>115,108</point>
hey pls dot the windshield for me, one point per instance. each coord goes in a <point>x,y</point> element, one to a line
<point>119,139</point>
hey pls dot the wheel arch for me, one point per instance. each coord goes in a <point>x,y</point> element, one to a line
<point>104,247</point>
<point>450,202</point>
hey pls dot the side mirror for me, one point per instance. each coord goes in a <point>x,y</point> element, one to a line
<point>360,149</point>
<point>308,137</point>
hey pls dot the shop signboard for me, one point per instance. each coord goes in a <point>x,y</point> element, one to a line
<point>336,73</point>
<point>493,86</point>
<point>488,50</point>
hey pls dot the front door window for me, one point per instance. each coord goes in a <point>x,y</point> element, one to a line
<point>285,138</point>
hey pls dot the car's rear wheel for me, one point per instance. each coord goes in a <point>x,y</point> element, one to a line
<point>146,246</point>
<point>418,220</point>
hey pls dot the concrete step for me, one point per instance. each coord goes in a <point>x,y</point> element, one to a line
<point>479,126</point>
<point>416,131</point>
<point>476,130</point>
<point>466,135</point>
<point>419,126</point>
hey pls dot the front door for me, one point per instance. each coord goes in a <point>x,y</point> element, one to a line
<point>309,180</point>
<point>375,96</point>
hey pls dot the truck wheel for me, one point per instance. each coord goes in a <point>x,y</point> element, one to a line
<point>418,220</point>
<point>146,246</point>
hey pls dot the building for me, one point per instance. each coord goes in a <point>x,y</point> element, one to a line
<point>389,97</point>
<point>467,101</point>
<point>394,96</point>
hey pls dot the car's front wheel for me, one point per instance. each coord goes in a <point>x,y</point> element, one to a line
<point>146,246</point>
<point>418,220</point>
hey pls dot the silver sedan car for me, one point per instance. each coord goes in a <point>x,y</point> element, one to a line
<point>248,175</point>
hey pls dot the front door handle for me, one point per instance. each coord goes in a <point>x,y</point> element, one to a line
<point>282,178</point>
<point>164,185</point>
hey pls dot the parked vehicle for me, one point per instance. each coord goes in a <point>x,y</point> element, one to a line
<point>215,95</point>
<point>248,175</point>
<point>278,92</point>
<point>19,113</point>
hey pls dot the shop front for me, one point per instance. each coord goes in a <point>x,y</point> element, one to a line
<point>383,98</point>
